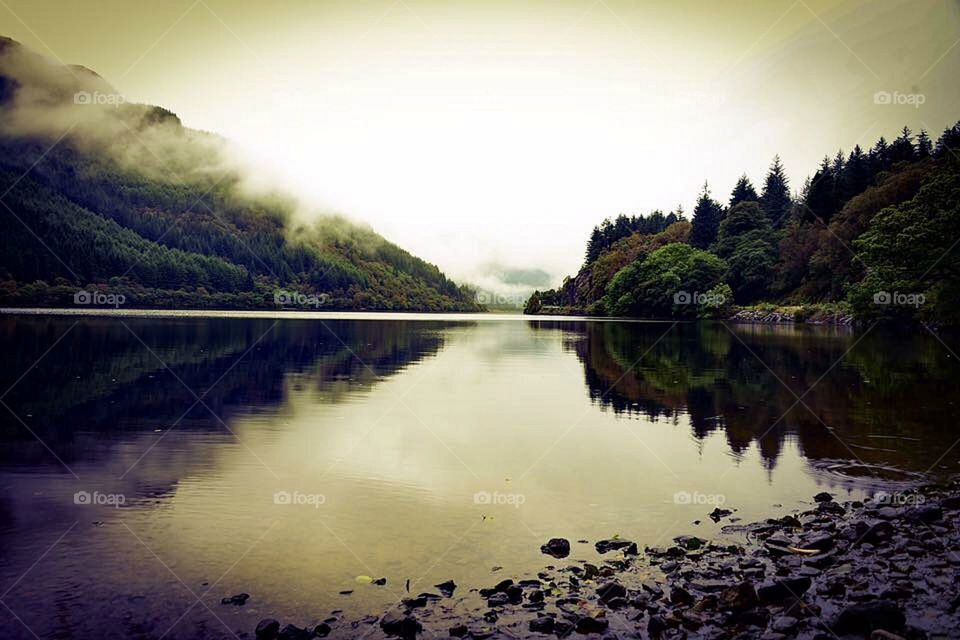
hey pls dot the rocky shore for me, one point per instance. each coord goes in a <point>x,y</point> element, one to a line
<point>882,569</point>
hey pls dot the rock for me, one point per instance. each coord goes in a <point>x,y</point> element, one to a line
<point>679,595</point>
<point>656,625</point>
<point>690,543</point>
<point>603,546</point>
<point>610,590</point>
<point>322,630</point>
<point>514,594</point>
<point>868,616</point>
<point>592,624</point>
<point>739,598</point>
<point>952,503</point>
<point>875,533</point>
<point>832,508</point>
<point>818,541</point>
<point>556,547</point>
<point>380,582</point>
<point>459,631</point>
<point>267,629</point>
<point>880,634</point>
<point>543,624</point>
<point>719,513</point>
<point>447,588</point>
<point>414,603</point>
<point>238,600</point>
<point>823,496</point>
<point>402,625</point>
<point>498,599</point>
<point>535,596</point>
<point>757,617</point>
<point>926,513</point>
<point>782,588</point>
<point>784,624</point>
<point>293,632</point>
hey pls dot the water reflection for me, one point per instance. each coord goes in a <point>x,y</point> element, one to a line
<point>875,402</point>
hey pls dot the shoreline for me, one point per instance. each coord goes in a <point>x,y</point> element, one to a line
<point>885,568</point>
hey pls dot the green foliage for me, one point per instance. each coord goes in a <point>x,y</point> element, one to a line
<point>706,220</point>
<point>664,283</point>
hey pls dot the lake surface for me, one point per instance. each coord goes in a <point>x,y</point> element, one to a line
<point>151,466</point>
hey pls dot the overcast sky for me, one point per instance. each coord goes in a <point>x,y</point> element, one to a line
<point>484,132</point>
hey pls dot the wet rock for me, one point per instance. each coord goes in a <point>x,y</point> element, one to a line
<point>603,546</point>
<point>784,624</point>
<point>719,513</point>
<point>756,617</point>
<point>459,631</point>
<point>592,624</point>
<point>610,590</point>
<point>875,533</point>
<point>880,634</point>
<point>323,629</point>
<point>832,508</point>
<point>690,543</point>
<point>414,603</point>
<point>926,513</point>
<point>535,596</point>
<point>819,541</point>
<point>238,600</point>
<point>868,616</point>
<point>543,624</point>
<point>556,547</point>
<point>823,496</point>
<point>514,594</point>
<point>679,595</point>
<point>380,582</point>
<point>498,599</point>
<point>656,625</point>
<point>782,589</point>
<point>447,588</point>
<point>267,629</point>
<point>402,625</point>
<point>293,632</point>
<point>739,598</point>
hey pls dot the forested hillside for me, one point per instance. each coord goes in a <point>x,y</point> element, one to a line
<point>104,196</point>
<point>872,232</point>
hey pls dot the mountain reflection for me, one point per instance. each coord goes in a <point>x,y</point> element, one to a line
<point>109,376</point>
<point>866,403</point>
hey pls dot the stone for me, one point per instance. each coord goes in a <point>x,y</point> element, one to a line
<point>603,546</point>
<point>543,624</point>
<point>238,600</point>
<point>402,625</point>
<point>739,598</point>
<point>556,547</point>
<point>781,589</point>
<point>267,629</point>
<point>447,588</point>
<point>823,496</point>
<point>866,617</point>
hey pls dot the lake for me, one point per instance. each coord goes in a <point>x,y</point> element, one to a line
<point>153,464</point>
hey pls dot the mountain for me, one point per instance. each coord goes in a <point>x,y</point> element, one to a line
<point>873,233</point>
<point>106,201</point>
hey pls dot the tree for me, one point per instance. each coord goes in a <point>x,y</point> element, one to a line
<point>706,220</point>
<point>902,148</point>
<point>667,283</point>
<point>747,242</point>
<point>880,156</point>
<point>949,141</point>
<point>743,191</point>
<point>856,173</point>
<point>775,200</point>
<point>924,145</point>
<point>821,200</point>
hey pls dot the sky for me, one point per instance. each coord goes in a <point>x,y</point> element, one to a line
<point>487,136</point>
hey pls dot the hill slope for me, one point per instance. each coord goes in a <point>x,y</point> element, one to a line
<point>100,195</point>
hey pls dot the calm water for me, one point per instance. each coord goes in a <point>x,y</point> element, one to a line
<point>284,457</point>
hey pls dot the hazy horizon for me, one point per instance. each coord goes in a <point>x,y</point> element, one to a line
<point>488,137</point>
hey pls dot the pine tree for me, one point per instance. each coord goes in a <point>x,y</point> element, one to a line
<point>856,173</point>
<point>901,150</point>
<point>594,245</point>
<point>706,220</point>
<point>924,145</point>
<point>949,141</point>
<point>880,156</point>
<point>743,191</point>
<point>775,200</point>
<point>821,196</point>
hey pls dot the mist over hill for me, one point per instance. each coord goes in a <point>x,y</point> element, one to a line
<point>121,202</point>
